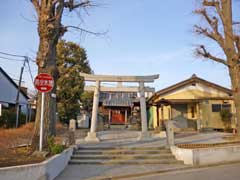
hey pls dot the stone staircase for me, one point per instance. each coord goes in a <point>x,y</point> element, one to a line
<point>123,155</point>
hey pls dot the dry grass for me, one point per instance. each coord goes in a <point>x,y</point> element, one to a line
<point>14,137</point>
<point>11,138</point>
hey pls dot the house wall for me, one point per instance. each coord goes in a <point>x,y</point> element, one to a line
<point>8,92</point>
<point>194,92</point>
<point>211,119</point>
<point>202,110</point>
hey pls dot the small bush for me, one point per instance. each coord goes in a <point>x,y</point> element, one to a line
<point>54,148</point>
<point>8,118</point>
<point>226,116</point>
<point>57,148</point>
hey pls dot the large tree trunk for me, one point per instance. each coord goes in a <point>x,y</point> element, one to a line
<point>49,117</point>
<point>50,29</point>
<point>49,33</point>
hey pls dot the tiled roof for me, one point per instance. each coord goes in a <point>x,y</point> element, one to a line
<point>121,99</point>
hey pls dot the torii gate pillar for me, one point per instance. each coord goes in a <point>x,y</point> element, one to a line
<point>92,134</point>
<point>144,134</point>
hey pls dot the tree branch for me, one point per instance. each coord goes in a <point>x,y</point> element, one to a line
<point>213,22</point>
<point>71,5</point>
<point>206,32</point>
<point>59,10</point>
<point>209,3</point>
<point>216,5</point>
<point>36,5</point>
<point>204,53</point>
<point>213,3</point>
<point>86,31</point>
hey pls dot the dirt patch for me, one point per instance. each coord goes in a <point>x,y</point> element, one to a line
<point>10,140</point>
<point>19,156</point>
<point>197,146</point>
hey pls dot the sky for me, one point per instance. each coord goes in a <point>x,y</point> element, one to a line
<point>144,37</point>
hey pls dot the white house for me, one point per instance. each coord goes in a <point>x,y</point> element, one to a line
<point>8,93</point>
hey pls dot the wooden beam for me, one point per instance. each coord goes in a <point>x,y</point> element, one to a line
<point>119,89</point>
<point>112,78</point>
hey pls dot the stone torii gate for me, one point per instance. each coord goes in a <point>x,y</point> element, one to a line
<point>141,89</point>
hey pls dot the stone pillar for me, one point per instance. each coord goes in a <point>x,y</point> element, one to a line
<point>72,124</point>
<point>92,134</point>
<point>170,133</point>
<point>144,134</point>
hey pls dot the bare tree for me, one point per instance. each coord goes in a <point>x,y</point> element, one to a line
<point>218,15</point>
<point>50,30</point>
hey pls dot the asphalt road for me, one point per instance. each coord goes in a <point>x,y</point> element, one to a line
<point>223,172</point>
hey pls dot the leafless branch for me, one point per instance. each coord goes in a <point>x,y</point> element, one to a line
<point>71,5</point>
<point>213,22</point>
<point>209,3</point>
<point>204,53</point>
<point>59,10</point>
<point>216,5</point>
<point>210,34</point>
<point>36,5</point>
<point>86,31</point>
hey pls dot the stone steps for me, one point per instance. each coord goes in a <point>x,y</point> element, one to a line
<point>107,152</point>
<point>127,162</point>
<point>123,155</point>
<point>123,148</point>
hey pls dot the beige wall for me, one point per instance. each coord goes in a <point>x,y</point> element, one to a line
<point>213,119</point>
<point>202,110</point>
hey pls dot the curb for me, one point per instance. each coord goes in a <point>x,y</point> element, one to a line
<point>150,173</point>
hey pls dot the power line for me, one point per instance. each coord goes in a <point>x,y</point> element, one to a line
<point>11,59</point>
<point>25,59</point>
<point>14,55</point>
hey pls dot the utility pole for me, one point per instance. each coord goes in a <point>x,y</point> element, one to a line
<point>18,92</point>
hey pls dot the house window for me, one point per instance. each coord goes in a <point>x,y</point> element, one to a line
<point>193,111</point>
<point>219,107</point>
<point>226,107</point>
<point>216,107</point>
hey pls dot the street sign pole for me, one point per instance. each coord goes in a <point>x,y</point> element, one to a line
<point>41,122</point>
<point>43,83</point>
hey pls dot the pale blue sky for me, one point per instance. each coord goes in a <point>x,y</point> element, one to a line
<point>144,37</point>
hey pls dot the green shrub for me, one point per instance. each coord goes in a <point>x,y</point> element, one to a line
<point>57,148</point>
<point>54,148</point>
<point>226,116</point>
<point>8,118</point>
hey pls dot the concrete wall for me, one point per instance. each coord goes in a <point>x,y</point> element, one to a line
<point>46,170</point>
<point>185,155</point>
<point>207,156</point>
